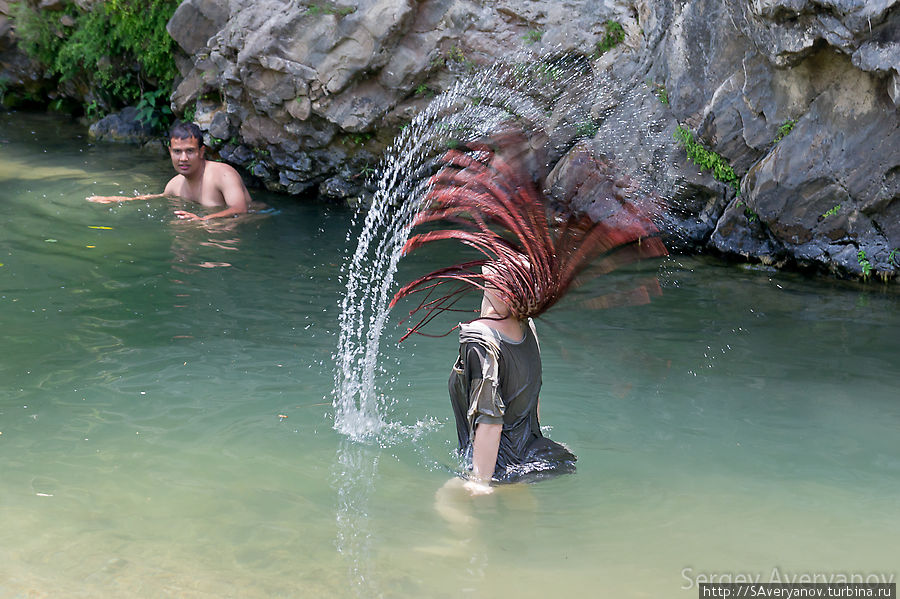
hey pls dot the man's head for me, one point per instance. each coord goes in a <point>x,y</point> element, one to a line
<point>186,148</point>
<point>182,130</point>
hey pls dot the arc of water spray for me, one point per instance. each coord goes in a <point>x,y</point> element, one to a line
<point>386,228</point>
<point>472,108</point>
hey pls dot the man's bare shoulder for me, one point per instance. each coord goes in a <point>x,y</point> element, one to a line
<point>174,186</point>
<point>220,169</point>
<point>225,178</point>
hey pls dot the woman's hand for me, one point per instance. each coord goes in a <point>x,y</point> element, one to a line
<point>478,487</point>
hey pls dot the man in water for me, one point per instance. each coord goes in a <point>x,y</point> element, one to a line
<point>205,182</point>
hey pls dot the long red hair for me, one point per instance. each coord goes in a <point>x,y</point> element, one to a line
<point>490,203</point>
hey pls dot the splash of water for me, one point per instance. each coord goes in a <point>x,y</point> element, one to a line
<point>354,469</point>
<point>472,108</point>
<point>555,101</point>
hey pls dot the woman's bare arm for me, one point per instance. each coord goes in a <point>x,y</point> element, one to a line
<point>484,458</point>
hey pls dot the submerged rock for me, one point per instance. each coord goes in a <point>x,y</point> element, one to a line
<point>124,126</point>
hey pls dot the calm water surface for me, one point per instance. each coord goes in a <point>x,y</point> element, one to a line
<point>166,418</point>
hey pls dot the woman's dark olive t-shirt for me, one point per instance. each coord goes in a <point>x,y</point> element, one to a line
<point>523,449</point>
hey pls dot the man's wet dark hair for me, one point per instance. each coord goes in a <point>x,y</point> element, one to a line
<point>182,130</point>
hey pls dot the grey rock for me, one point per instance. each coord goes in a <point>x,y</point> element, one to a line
<point>358,109</point>
<point>287,84</point>
<point>739,231</point>
<point>21,76</point>
<point>817,196</point>
<point>195,22</point>
<point>240,155</point>
<point>123,126</point>
<point>822,188</point>
<point>220,126</point>
<point>339,188</point>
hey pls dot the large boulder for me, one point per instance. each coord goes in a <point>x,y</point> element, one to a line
<point>321,78</point>
<point>799,97</point>
<point>124,126</point>
<point>21,77</point>
<point>195,22</point>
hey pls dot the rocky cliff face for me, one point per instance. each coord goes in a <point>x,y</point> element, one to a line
<point>17,71</point>
<point>828,190</point>
<point>800,97</point>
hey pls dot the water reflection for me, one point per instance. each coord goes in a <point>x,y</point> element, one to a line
<point>190,251</point>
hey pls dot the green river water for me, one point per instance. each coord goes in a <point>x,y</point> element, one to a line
<point>166,419</point>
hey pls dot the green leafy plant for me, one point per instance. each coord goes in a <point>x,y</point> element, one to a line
<point>341,11</point>
<point>520,71</point>
<point>58,105</point>
<point>424,90</point>
<point>661,94</point>
<point>864,263</point>
<point>748,212</point>
<point>784,129</point>
<point>153,110</point>
<point>659,90</point>
<point>832,211</point>
<point>707,159</point>
<point>189,113</point>
<point>365,172</point>
<point>40,38</point>
<point>119,49</point>
<point>586,129</point>
<point>456,54</point>
<point>548,73</point>
<point>532,36</point>
<point>613,36</point>
<point>258,164</point>
<point>894,258</point>
<point>359,139</point>
<point>93,110</point>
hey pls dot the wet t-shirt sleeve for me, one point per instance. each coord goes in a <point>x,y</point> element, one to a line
<point>484,393</point>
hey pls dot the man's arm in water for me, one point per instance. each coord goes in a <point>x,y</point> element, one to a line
<point>168,192</point>
<point>113,199</point>
<point>485,447</point>
<point>229,183</point>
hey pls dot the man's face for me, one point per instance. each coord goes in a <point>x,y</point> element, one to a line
<point>187,155</point>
